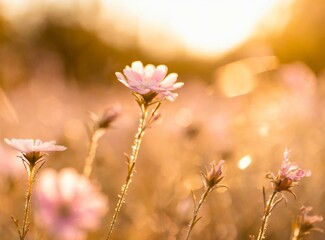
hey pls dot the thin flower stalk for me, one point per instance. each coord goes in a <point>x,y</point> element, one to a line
<point>210,181</point>
<point>91,153</point>
<point>31,172</point>
<point>143,124</point>
<point>267,212</point>
<point>195,218</point>
<point>25,227</point>
<point>101,124</point>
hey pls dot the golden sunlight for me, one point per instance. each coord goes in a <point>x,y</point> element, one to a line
<point>165,28</point>
<point>204,28</point>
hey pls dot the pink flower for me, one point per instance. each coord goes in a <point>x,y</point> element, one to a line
<point>33,150</point>
<point>289,175</point>
<point>30,145</point>
<point>291,170</point>
<point>67,205</point>
<point>214,176</point>
<point>150,80</point>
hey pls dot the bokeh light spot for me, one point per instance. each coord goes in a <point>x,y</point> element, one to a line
<point>244,162</point>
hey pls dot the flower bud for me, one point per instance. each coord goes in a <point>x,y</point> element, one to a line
<point>213,177</point>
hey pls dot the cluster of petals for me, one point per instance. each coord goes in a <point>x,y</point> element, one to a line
<point>214,176</point>
<point>291,171</point>
<point>31,145</point>
<point>67,205</point>
<point>150,79</point>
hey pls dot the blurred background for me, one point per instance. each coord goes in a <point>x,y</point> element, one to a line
<point>254,85</point>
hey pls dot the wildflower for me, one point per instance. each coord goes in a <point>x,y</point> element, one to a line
<point>289,175</point>
<point>304,224</point>
<point>67,205</point>
<point>33,150</point>
<point>213,177</point>
<point>105,119</point>
<point>149,81</point>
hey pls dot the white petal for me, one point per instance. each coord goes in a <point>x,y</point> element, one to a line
<point>138,67</point>
<point>169,80</point>
<point>162,68</point>
<point>160,73</point>
<point>172,96</point>
<point>121,78</point>
<point>133,78</point>
<point>178,85</point>
<point>149,70</point>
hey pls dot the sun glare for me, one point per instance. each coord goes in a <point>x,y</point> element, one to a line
<point>201,28</point>
<point>198,27</point>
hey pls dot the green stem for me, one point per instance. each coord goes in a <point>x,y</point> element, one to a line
<point>91,153</point>
<point>131,166</point>
<point>25,226</point>
<point>196,211</point>
<point>267,213</point>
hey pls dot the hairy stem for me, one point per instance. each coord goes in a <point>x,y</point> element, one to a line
<point>131,166</point>
<point>91,153</point>
<point>267,213</point>
<point>196,211</point>
<point>25,227</point>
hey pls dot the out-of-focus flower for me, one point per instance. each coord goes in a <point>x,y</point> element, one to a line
<point>149,81</point>
<point>33,150</point>
<point>213,177</point>
<point>9,167</point>
<point>105,119</point>
<point>67,205</point>
<point>304,224</point>
<point>289,175</point>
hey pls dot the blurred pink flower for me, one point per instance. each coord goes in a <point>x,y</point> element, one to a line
<point>106,118</point>
<point>305,223</point>
<point>31,145</point>
<point>150,80</point>
<point>9,166</point>
<point>67,205</point>
<point>289,175</point>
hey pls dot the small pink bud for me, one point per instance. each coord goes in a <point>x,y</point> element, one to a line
<point>213,177</point>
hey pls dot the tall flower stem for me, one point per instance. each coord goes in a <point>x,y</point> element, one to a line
<point>131,163</point>
<point>196,211</point>
<point>267,212</point>
<point>25,227</point>
<point>96,135</point>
